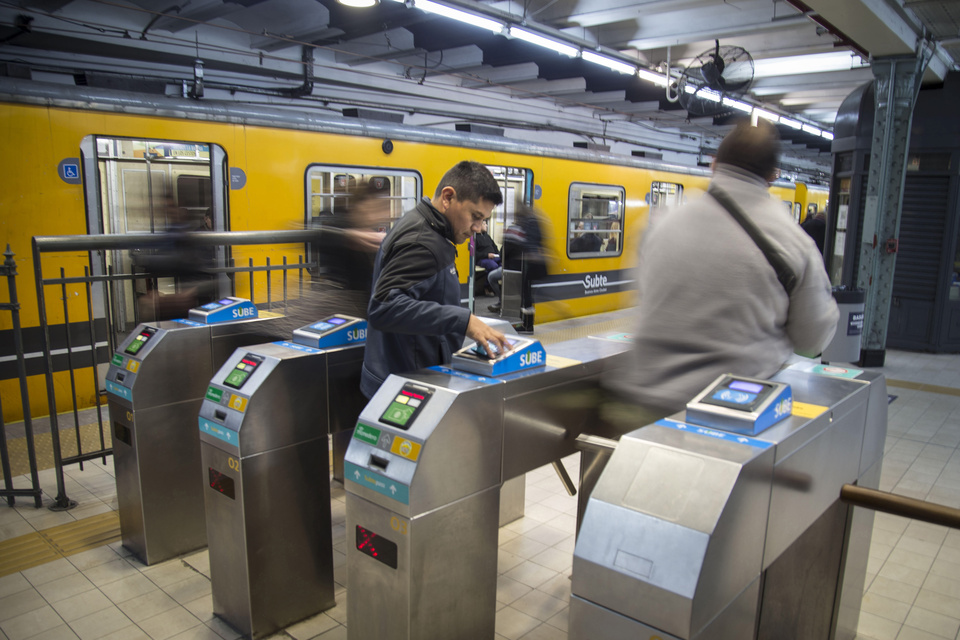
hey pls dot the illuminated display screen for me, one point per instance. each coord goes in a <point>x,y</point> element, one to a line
<point>247,365</point>
<point>749,387</point>
<point>210,306</point>
<point>221,482</point>
<point>377,547</point>
<point>322,326</point>
<point>479,350</point>
<point>134,347</point>
<point>336,320</point>
<point>227,301</point>
<point>742,395</point>
<point>406,405</point>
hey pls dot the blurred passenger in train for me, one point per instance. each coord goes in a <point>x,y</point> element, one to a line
<point>523,251</point>
<point>487,257</point>
<point>179,273</point>
<point>415,317</point>
<point>348,246</point>
<point>816,227</point>
<point>709,300</point>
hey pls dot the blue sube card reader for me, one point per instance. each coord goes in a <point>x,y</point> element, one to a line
<point>524,353</point>
<point>741,405</point>
<point>224,310</point>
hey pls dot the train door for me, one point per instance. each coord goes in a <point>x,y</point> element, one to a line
<point>516,187</point>
<point>155,186</point>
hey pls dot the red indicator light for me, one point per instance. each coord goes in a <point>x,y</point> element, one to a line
<point>412,395</point>
<point>249,362</point>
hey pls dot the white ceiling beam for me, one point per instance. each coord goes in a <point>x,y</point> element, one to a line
<point>501,75</point>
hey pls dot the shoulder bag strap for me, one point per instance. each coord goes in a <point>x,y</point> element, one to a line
<point>788,280</point>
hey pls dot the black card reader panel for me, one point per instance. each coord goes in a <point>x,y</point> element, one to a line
<point>242,372</point>
<point>134,347</point>
<point>406,405</point>
<point>741,395</point>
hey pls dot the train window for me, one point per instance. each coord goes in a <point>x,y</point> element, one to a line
<point>595,221</point>
<point>516,185</point>
<point>665,194</point>
<point>332,189</point>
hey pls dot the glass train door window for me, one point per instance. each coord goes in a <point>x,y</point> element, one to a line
<point>516,186</point>
<point>665,194</point>
<point>595,221</point>
<point>331,189</point>
<point>154,186</point>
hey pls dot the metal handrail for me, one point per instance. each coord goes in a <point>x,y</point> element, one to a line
<point>900,505</point>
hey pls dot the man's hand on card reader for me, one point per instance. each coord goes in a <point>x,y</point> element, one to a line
<point>491,340</point>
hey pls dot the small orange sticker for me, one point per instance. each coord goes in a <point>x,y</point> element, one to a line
<point>237,402</point>
<point>133,365</point>
<point>406,448</point>
<point>804,410</point>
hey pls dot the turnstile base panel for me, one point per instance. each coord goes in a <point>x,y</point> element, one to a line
<point>445,583</point>
<point>159,486</point>
<point>271,549</point>
<point>589,621</point>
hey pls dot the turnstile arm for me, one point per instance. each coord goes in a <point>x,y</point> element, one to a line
<point>595,444</point>
<point>565,478</point>
<point>900,505</point>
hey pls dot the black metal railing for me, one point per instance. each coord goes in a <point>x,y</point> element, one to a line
<point>9,270</point>
<point>100,350</point>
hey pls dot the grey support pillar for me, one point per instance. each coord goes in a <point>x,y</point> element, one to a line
<point>897,82</point>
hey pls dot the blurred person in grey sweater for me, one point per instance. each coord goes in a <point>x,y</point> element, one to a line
<point>709,300</point>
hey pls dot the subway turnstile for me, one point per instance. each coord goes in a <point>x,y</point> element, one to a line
<point>705,526</point>
<point>423,475</point>
<point>263,431</point>
<point>156,382</point>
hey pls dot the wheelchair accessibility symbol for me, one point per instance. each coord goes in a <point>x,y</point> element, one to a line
<point>69,170</point>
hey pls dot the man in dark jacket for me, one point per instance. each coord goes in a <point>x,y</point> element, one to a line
<point>415,318</point>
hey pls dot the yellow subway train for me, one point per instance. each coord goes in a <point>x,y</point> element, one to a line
<point>88,162</point>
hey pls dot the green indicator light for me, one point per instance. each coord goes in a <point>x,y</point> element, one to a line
<point>367,434</point>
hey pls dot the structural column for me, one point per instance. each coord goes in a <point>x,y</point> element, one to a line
<point>896,83</point>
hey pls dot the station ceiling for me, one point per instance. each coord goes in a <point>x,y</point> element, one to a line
<point>402,61</point>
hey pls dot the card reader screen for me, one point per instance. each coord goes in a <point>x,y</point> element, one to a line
<point>248,363</point>
<point>406,405</point>
<point>336,320</point>
<point>134,347</point>
<point>479,350</point>
<point>738,394</point>
<point>210,306</point>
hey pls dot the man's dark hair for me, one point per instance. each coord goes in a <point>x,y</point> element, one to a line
<point>753,148</point>
<point>472,181</point>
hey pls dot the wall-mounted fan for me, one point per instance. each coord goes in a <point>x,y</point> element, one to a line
<point>723,72</point>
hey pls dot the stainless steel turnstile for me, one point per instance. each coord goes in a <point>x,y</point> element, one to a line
<point>155,384</point>
<point>703,533</point>
<point>263,430</point>
<point>423,476</point>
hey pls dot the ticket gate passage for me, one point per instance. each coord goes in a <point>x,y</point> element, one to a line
<point>264,450</point>
<point>424,472</point>
<point>155,385</point>
<point>713,525</point>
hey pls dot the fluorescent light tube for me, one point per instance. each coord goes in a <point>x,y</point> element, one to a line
<point>827,135</point>
<point>811,129</point>
<point>736,104</point>
<point>814,63</point>
<point>547,43</point>
<point>456,14</point>
<point>609,63</point>
<point>793,124</point>
<point>767,115</point>
<point>655,78</point>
